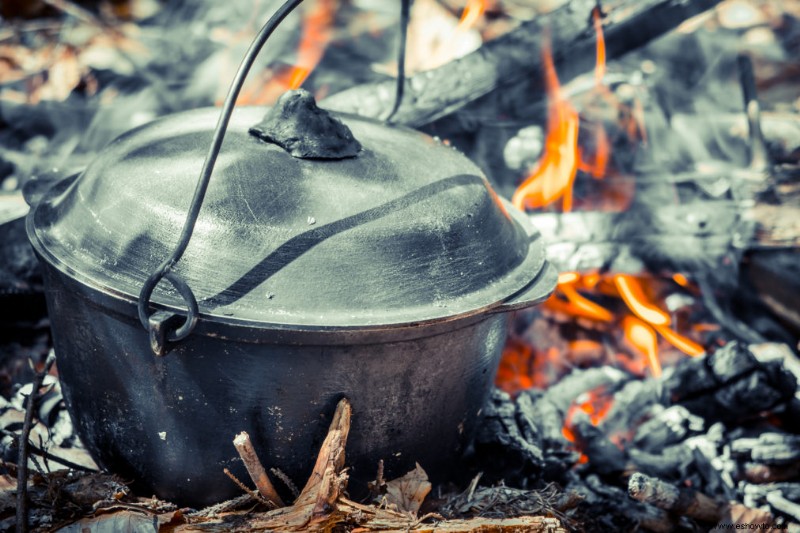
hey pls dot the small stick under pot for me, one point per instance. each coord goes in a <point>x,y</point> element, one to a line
<point>256,470</point>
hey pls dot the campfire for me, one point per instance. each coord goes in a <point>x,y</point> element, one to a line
<point>634,241</point>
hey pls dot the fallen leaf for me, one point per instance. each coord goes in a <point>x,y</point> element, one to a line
<point>408,492</point>
<point>123,521</point>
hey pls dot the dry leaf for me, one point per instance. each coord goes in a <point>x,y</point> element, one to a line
<point>408,492</point>
<point>122,521</point>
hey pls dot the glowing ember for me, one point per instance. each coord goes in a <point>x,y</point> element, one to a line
<point>553,177</point>
<point>680,279</point>
<point>642,336</point>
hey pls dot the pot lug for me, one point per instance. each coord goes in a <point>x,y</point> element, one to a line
<point>535,293</point>
<point>160,324</point>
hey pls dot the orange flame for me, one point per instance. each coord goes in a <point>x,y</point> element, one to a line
<point>602,150</point>
<point>631,291</point>
<point>684,344</point>
<point>317,32</point>
<point>553,177</point>
<point>471,14</point>
<point>600,65</point>
<point>644,339</point>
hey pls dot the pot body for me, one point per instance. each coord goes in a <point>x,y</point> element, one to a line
<point>169,422</point>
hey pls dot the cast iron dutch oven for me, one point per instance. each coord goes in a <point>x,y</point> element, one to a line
<point>386,278</point>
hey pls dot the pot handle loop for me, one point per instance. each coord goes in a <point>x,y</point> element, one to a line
<point>160,324</point>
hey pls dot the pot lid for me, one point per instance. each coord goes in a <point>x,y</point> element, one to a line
<point>408,231</point>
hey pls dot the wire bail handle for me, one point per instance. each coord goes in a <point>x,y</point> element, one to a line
<point>161,325</point>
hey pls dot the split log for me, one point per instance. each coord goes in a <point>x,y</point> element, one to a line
<point>517,57</point>
<point>677,500</point>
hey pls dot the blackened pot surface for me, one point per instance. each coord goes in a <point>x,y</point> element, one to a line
<point>168,423</point>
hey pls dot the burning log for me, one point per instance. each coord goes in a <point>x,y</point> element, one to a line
<point>515,59</point>
<point>670,498</point>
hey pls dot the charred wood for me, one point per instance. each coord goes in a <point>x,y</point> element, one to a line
<point>605,457</point>
<point>761,473</point>
<point>729,385</point>
<point>781,504</point>
<point>500,445</point>
<point>642,515</point>
<point>631,404</point>
<point>669,426</point>
<point>769,448</point>
<point>563,393</point>
<point>673,461</point>
<point>671,498</point>
<point>515,59</point>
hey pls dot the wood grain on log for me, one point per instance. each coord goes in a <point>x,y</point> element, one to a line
<point>517,56</point>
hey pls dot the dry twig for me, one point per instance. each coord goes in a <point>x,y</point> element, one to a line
<point>256,470</point>
<point>24,436</point>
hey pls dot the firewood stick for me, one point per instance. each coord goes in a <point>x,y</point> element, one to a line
<point>516,58</point>
<point>671,498</point>
<point>256,470</point>
<point>24,437</point>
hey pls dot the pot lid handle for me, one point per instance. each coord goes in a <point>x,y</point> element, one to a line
<point>159,325</point>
